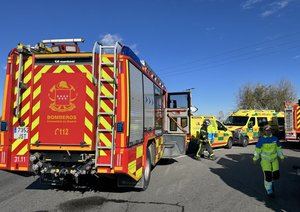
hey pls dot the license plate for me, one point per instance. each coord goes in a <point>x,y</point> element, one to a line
<point>21,133</point>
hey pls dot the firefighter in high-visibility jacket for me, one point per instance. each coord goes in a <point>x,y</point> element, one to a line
<point>268,149</point>
<point>206,138</point>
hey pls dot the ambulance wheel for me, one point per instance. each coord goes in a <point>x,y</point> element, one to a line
<point>245,141</point>
<point>229,143</point>
<point>147,171</point>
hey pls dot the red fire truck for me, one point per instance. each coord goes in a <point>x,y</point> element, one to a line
<point>69,114</point>
<point>292,121</point>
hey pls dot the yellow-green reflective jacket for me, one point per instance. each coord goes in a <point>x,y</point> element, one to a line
<point>268,148</point>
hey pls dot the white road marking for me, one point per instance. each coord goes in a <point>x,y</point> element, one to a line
<point>181,156</point>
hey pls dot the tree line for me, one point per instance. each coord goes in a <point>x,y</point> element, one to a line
<point>266,96</point>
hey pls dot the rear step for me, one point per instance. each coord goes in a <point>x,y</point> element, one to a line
<point>174,145</point>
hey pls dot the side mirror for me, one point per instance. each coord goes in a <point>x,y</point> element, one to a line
<point>193,109</point>
<point>3,126</point>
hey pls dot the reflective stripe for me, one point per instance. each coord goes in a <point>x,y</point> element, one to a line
<point>268,157</point>
<point>267,154</point>
<point>256,155</point>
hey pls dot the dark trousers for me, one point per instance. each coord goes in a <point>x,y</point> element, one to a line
<point>204,146</point>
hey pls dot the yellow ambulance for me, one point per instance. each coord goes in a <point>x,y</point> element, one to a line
<point>247,124</point>
<point>223,136</point>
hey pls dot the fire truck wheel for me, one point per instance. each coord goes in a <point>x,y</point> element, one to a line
<point>147,171</point>
<point>229,143</point>
<point>245,141</point>
<point>152,154</point>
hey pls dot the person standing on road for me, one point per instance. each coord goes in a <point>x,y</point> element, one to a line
<point>206,138</point>
<point>268,149</point>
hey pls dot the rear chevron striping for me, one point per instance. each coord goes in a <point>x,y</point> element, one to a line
<point>105,91</point>
<point>23,111</point>
<point>62,68</point>
<point>89,92</point>
<point>37,92</point>
<point>16,143</point>
<point>88,124</point>
<point>105,107</point>
<point>106,60</point>
<point>106,76</point>
<point>28,63</point>
<point>89,108</point>
<point>87,139</point>
<point>298,117</point>
<point>35,123</point>
<point>28,77</point>
<point>105,123</point>
<point>36,107</point>
<point>25,108</point>
<point>26,93</point>
<point>83,69</point>
<point>23,96</point>
<point>105,140</point>
<point>17,74</point>
<point>17,61</point>
<point>90,97</point>
<point>102,153</point>
<point>34,138</point>
<point>23,151</point>
<point>38,76</point>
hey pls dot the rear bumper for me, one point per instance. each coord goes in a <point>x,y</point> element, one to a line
<point>292,136</point>
<point>291,140</point>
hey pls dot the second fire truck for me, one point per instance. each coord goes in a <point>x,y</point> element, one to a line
<point>292,121</point>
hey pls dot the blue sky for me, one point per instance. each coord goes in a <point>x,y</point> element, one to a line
<point>212,46</point>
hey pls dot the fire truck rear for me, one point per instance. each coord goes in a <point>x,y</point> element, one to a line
<point>69,114</point>
<point>292,121</point>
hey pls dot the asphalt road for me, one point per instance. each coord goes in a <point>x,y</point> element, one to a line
<point>231,183</point>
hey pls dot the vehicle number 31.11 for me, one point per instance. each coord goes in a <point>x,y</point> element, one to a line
<point>61,131</point>
<point>19,159</point>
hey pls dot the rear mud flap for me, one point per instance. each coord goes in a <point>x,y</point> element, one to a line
<point>174,145</point>
<point>124,181</point>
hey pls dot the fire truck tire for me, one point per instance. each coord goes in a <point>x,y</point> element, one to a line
<point>229,143</point>
<point>152,154</point>
<point>147,171</point>
<point>245,141</point>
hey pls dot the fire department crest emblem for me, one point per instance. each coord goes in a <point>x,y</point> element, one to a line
<point>62,96</point>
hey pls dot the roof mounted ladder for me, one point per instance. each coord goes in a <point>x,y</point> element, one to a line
<point>105,135</point>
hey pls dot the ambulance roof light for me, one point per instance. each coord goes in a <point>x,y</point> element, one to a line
<point>71,40</point>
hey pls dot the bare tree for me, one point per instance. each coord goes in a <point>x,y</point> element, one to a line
<point>260,96</point>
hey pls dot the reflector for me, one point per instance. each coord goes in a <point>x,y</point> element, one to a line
<point>3,125</point>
